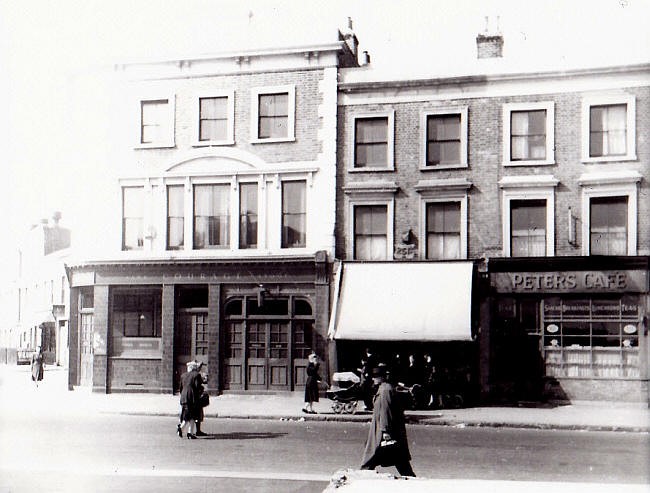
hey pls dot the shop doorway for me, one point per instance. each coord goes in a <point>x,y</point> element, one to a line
<point>266,344</point>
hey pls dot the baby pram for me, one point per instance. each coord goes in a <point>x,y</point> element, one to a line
<point>345,392</point>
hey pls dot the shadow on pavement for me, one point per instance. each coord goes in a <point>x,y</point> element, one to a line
<point>240,435</point>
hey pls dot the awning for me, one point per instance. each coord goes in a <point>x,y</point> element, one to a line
<point>396,301</point>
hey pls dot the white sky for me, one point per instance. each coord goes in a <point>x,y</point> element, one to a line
<point>44,43</point>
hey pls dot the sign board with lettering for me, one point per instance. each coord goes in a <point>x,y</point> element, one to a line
<point>606,281</point>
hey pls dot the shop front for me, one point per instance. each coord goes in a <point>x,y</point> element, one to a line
<point>408,309</point>
<point>252,323</point>
<point>569,329</point>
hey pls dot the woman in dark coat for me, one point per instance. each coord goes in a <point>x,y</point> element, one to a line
<point>191,389</point>
<point>37,366</point>
<point>387,444</point>
<point>311,385</point>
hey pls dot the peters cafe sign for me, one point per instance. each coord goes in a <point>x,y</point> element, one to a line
<point>606,281</point>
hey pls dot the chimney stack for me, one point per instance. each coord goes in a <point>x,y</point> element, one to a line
<point>489,45</point>
<point>351,39</point>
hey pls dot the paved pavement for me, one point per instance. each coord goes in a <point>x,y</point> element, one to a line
<point>52,394</point>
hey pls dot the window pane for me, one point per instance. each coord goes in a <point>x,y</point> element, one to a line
<point>214,108</point>
<point>248,215</point>
<point>443,139</point>
<point>153,124</point>
<point>608,226</point>
<point>528,228</point>
<point>294,207</point>
<point>371,142</point>
<point>608,130</point>
<point>274,104</point>
<point>175,216</point>
<point>133,218</point>
<point>370,238</point>
<point>443,230</point>
<point>211,216</point>
<point>213,130</point>
<point>527,135</point>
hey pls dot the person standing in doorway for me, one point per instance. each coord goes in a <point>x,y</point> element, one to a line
<point>387,444</point>
<point>368,362</point>
<point>38,366</point>
<point>311,384</point>
<point>191,388</point>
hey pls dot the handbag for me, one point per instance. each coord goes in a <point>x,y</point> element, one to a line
<point>388,453</point>
<point>204,400</point>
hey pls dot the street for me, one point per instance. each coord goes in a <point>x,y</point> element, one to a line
<point>136,453</point>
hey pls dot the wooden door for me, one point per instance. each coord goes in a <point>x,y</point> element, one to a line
<point>190,342</point>
<point>234,356</point>
<point>86,350</point>
<point>278,362</point>
<point>256,351</point>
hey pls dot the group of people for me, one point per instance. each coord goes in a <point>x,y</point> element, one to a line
<point>193,399</point>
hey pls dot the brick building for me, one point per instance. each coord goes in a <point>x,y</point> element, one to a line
<point>221,237</point>
<point>510,207</point>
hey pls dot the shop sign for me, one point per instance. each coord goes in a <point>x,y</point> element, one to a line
<point>607,281</point>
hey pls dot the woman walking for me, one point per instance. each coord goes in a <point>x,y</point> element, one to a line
<point>37,366</point>
<point>191,389</point>
<point>311,385</point>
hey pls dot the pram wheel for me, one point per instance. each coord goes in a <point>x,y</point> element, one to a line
<point>350,407</point>
<point>338,407</point>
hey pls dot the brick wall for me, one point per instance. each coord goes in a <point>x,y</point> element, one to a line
<point>135,375</point>
<point>308,98</point>
<point>485,167</point>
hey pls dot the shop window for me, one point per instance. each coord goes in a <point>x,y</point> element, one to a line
<point>608,226</point>
<point>132,218</point>
<point>443,230</point>
<point>211,216</point>
<point>248,215</point>
<point>137,313</point>
<point>294,214</point>
<point>591,338</point>
<point>528,228</point>
<point>370,232</point>
<point>175,217</point>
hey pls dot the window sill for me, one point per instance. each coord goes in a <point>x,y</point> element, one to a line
<point>160,145</point>
<point>532,162</point>
<point>437,167</point>
<point>371,170</point>
<point>210,143</point>
<point>273,140</point>
<point>609,159</point>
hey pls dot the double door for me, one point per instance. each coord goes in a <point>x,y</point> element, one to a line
<point>258,355</point>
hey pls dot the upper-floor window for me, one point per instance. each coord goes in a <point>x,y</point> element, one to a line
<point>294,214</point>
<point>211,216</point>
<point>215,119</point>
<point>528,228</point>
<point>273,114</point>
<point>175,217</point>
<point>445,138</point>
<point>370,232</point>
<point>443,230</point>
<point>608,128</point>
<point>528,215</point>
<point>132,218</point>
<point>156,122</point>
<point>528,133</point>
<point>248,215</point>
<point>373,142</point>
<point>608,228</point>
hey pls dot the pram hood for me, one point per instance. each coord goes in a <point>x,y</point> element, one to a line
<point>346,376</point>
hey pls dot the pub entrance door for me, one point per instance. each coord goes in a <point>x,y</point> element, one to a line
<point>190,341</point>
<point>266,346</point>
<point>86,349</point>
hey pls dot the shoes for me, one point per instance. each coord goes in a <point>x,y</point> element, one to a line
<point>179,431</point>
<point>200,434</point>
<point>312,412</point>
<point>305,411</point>
<point>191,437</point>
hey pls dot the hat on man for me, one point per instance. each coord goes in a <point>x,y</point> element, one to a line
<point>379,371</point>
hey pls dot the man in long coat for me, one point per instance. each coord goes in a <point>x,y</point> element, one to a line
<point>387,444</point>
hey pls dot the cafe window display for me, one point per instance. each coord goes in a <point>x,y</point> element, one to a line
<point>591,338</point>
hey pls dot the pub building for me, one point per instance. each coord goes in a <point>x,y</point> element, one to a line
<point>566,329</point>
<point>252,322</point>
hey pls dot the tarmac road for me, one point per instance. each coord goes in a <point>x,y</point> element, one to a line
<point>142,453</point>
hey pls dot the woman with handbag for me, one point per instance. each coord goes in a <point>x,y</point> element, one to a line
<point>191,389</point>
<point>387,444</point>
<point>311,384</point>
